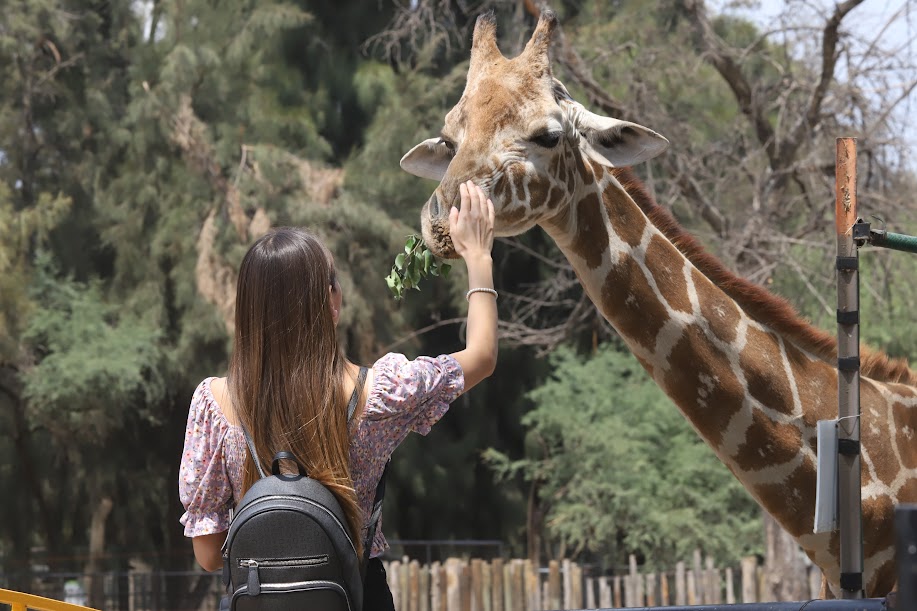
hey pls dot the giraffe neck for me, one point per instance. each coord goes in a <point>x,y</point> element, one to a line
<point>732,376</point>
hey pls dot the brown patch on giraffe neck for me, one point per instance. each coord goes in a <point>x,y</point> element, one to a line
<point>812,380</point>
<point>629,303</point>
<point>765,307</point>
<point>701,383</point>
<point>591,234</point>
<point>788,504</point>
<point>767,442</point>
<point>762,365</point>
<point>627,221</point>
<point>667,268</point>
<point>721,313</point>
<point>905,434</point>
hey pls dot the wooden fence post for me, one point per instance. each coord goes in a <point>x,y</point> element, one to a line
<point>692,588</point>
<point>605,600</point>
<point>730,592</point>
<point>425,588</point>
<point>681,591</point>
<point>749,580</point>
<point>664,598</point>
<point>414,586</point>
<point>488,584</point>
<point>496,596</point>
<point>633,590</point>
<point>699,594</point>
<point>453,585</point>
<point>576,594</point>
<point>465,585</point>
<point>712,586</point>
<point>554,589</point>
<point>590,593</point>
<point>532,586</point>
<point>518,585</point>
<point>568,584</point>
<point>617,591</point>
<point>477,585</point>
<point>651,589</point>
<point>508,586</point>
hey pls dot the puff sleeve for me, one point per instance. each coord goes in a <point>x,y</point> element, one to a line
<point>204,485</point>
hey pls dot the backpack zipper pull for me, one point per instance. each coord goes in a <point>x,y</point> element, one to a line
<point>254,582</point>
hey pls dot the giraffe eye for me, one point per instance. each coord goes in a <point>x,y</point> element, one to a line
<point>448,144</point>
<point>548,139</point>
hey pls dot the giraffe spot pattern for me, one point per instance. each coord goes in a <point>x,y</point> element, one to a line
<point>668,273</point>
<point>721,313</point>
<point>905,434</point>
<point>796,511</point>
<point>874,433</point>
<point>762,365</point>
<point>876,537</point>
<point>814,379</point>
<point>632,306</point>
<point>767,442</point>
<point>702,384</point>
<point>627,221</point>
<point>592,235</point>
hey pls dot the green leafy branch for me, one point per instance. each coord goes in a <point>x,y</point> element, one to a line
<point>416,262</point>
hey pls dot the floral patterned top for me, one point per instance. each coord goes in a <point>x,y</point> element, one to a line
<point>405,396</point>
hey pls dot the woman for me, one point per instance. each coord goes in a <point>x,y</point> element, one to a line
<point>289,385</point>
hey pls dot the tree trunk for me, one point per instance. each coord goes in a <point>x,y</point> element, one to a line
<point>784,563</point>
<point>94,565</point>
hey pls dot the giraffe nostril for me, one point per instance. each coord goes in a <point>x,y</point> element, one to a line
<point>434,205</point>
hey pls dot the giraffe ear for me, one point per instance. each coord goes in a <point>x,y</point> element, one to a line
<point>618,143</point>
<point>429,159</point>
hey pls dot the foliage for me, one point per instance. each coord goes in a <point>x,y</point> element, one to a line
<point>416,262</point>
<point>127,129</point>
<point>620,471</point>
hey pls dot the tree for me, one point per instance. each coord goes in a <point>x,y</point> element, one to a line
<point>617,471</point>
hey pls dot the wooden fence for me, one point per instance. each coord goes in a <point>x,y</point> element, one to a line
<point>517,585</point>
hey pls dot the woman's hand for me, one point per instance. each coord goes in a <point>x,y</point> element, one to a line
<point>472,231</point>
<point>472,227</point>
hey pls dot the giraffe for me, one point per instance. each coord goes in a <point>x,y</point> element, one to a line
<point>750,375</point>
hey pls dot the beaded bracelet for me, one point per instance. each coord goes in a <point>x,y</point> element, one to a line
<point>480,290</point>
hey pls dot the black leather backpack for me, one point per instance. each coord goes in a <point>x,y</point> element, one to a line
<point>288,545</point>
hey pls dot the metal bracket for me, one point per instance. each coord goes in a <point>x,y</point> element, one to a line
<point>848,447</point>
<point>847,264</point>
<point>861,232</point>
<point>848,318</point>
<point>848,363</point>
<point>852,582</point>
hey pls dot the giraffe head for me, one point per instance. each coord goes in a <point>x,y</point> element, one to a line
<point>518,134</point>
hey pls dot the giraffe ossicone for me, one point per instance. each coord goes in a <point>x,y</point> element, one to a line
<point>751,376</point>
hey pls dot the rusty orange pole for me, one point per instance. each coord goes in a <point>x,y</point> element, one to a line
<point>850,509</point>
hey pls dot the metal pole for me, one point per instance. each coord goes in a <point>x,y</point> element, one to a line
<point>906,555</point>
<point>848,372</point>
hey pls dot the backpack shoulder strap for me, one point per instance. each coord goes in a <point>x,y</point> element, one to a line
<point>357,391</point>
<point>374,517</point>
<point>251,448</point>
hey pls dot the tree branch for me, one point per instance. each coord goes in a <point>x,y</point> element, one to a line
<point>717,55</point>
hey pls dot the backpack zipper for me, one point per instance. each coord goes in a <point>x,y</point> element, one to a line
<point>310,561</point>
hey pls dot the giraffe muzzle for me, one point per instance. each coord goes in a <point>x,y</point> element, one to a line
<point>435,228</point>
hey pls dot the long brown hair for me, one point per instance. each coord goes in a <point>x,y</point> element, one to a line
<point>287,369</point>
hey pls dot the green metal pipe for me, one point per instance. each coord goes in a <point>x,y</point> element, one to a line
<point>894,241</point>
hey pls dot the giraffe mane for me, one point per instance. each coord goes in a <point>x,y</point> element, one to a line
<point>762,305</point>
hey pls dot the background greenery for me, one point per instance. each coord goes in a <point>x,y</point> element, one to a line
<point>125,128</point>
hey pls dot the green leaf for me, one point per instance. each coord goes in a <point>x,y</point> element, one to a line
<point>427,260</point>
<point>399,261</point>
